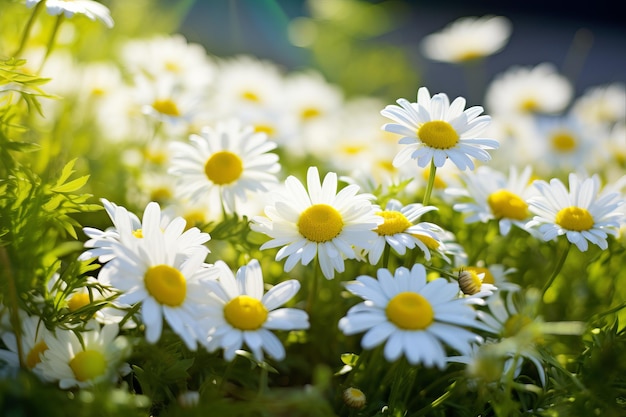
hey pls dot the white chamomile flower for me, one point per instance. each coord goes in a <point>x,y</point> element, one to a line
<point>399,231</point>
<point>529,90</point>
<point>412,316</point>
<point>230,159</point>
<point>33,339</point>
<point>468,38</point>
<point>435,129</point>
<point>495,274</point>
<point>494,196</point>
<point>98,356</point>
<point>602,105</point>
<point>127,231</point>
<point>241,313</point>
<point>91,9</point>
<point>167,282</point>
<point>473,286</point>
<point>319,222</point>
<point>582,213</point>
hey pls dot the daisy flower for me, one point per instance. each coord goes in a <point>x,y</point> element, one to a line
<point>494,196</point>
<point>602,105</point>
<point>167,282</point>
<point>435,129</point>
<point>472,284</point>
<point>468,38</point>
<point>96,357</point>
<point>399,231</point>
<point>529,90</point>
<point>494,274</point>
<point>127,231</point>
<point>319,222</point>
<point>413,317</point>
<point>229,159</point>
<point>582,213</point>
<point>91,9</point>
<point>242,313</point>
<point>33,339</point>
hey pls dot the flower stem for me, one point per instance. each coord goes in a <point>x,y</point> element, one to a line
<point>312,286</point>
<point>14,306</point>
<point>431,182</point>
<point>28,27</point>
<point>557,269</point>
<point>53,35</point>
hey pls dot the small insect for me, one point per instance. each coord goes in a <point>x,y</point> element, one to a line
<point>469,282</point>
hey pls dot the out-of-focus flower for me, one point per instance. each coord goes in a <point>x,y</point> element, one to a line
<point>91,9</point>
<point>468,38</point>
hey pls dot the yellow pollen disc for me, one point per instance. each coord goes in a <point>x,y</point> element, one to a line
<point>194,218</point>
<point>563,141</point>
<point>157,157</point>
<point>88,364</point>
<point>438,134</point>
<point>172,66</point>
<point>223,167</point>
<point>77,301</point>
<point>488,278</point>
<point>514,324</point>
<point>166,106</point>
<point>395,222</point>
<point>310,113</point>
<point>529,105</point>
<point>386,166</point>
<point>410,311</point>
<point>469,282</point>
<point>166,284</point>
<point>439,183</point>
<point>264,128</point>
<point>32,358</point>
<point>98,92</point>
<point>505,204</point>
<point>430,242</point>
<point>138,233</point>
<point>250,96</point>
<point>352,149</point>
<point>245,313</point>
<point>161,194</point>
<point>469,56</point>
<point>574,218</point>
<point>320,223</point>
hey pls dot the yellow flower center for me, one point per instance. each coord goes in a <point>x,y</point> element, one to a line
<point>194,218</point>
<point>563,141</point>
<point>469,56</point>
<point>514,324</point>
<point>431,243</point>
<point>310,113</point>
<point>245,313</point>
<point>33,358</point>
<point>438,134</point>
<point>138,233</point>
<point>77,301</point>
<point>395,222</point>
<point>166,106</point>
<point>574,218</point>
<point>469,282</point>
<point>172,66</point>
<point>320,223</point>
<point>265,128</point>
<point>223,167</point>
<point>161,194</point>
<point>250,96</point>
<point>88,364</point>
<point>354,397</point>
<point>488,278</point>
<point>410,311</point>
<point>505,204</point>
<point>166,284</point>
<point>529,105</point>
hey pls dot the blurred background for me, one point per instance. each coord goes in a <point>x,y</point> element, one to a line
<point>372,47</point>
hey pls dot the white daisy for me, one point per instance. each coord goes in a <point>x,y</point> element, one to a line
<point>127,231</point>
<point>91,9</point>
<point>415,318</point>
<point>242,314</point>
<point>468,38</point>
<point>399,230</point>
<point>581,213</point>
<point>602,105</point>
<point>472,284</point>
<point>435,129</point>
<point>320,221</point>
<point>96,357</point>
<point>539,89</point>
<point>494,274</point>
<point>33,339</point>
<point>229,159</point>
<point>494,196</point>
<point>167,282</point>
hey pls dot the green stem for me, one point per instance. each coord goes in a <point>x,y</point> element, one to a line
<point>431,183</point>
<point>386,254</point>
<point>557,269</point>
<point>14,318</point>
<point>53,35</point>
<point>312,286</point>
<point>28,27</point>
